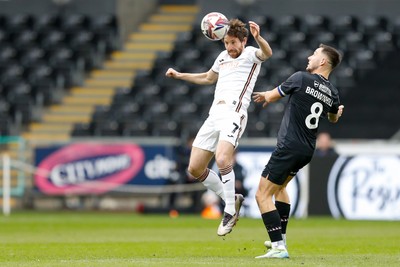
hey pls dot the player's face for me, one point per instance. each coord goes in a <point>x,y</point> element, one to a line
<point>314,61</point>
<point>234,46</point>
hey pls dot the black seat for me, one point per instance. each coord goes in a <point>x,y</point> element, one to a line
<point>203,94</point>
<point>372,24</point>
<point>104,27</point>
<point>81,130</point>
<point>299,59</point>
<point>344,79</point>
<point>177,94</point>
<point>108,127</point>
<point>353,41</point>
<point>184,111</point>
<point>294,41</point>
<point>344,24</point>
<point>382,43</point>
<point>165,128</point>
<point>138,127</point>
<point>84,46</point>
<point>19,22</point>
<point>70,67</point>
<point>24,39</point>
<point>156,110</point>
<point>147,93</point>
<point>286,24</point>
<point>71,23</point>
<point>314,24</point>
<point>32,56</point>
<point>47,22</point>
<point>52,38</point>
<point>327,38</point>
<point>362,62</point>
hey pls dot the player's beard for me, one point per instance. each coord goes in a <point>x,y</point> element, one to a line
<point>235,53</point>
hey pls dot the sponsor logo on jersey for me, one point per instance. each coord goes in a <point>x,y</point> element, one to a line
<point>322,88</point>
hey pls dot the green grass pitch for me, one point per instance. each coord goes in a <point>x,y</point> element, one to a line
<point>125,239</point>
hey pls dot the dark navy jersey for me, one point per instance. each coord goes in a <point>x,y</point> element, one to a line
<point>311,97</point>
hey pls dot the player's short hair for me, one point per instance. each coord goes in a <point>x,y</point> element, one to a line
<point>237,28</point>
<point>334,55</point>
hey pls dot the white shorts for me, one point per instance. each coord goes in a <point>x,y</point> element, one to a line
<point>221,124</point>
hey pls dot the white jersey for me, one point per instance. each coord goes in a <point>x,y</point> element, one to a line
<point>236,79</point>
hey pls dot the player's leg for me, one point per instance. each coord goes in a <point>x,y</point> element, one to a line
<point>198,168</point>
<point>233,202</point>
<point>224,161</point>
<point>282,204</point>
<point>271,218</point>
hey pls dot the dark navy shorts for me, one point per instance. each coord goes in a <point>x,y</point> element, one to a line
<point>284,163</point>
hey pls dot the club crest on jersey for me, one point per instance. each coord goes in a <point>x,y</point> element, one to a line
<point>316,84</point>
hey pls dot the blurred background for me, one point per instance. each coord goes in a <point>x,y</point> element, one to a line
<point>89,121</point>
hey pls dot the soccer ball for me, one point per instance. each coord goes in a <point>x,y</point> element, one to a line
<point>214,26</point>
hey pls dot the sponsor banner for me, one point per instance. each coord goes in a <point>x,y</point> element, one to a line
<point>97,168</point>
<point>365,186</point>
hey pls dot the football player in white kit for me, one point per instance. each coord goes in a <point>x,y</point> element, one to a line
<point>235,72</point>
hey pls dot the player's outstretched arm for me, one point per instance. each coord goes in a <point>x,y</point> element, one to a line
<point>266,97</point>
<point>265,51</point>
<point>209,77</point>
<point>335,117</point>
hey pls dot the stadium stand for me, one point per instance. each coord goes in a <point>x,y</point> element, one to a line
<point>66,76</point>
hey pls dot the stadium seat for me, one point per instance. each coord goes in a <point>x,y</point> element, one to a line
<point>372,24</point>
<point>286,24</point>
<point>362,62</point>
<point>18,22</point>
<point>344,24</point>
<point>327,38</point>
<point>381,43</point>
<point>47,22</point>
<point>299,59</point>
<point>82,130</point>
<point>52,38</point>
<point>184,111</point>
<point>353,41</point>
<point>294,41</point>
<point>180,93</point>
<point>165,128</point>
<point>31,56</point>
<point>109,127</point>
<point>138,127</point>
<point>156,110</point>
<point>314,24</point>
<point>202,94</point>
<point>104,27</point>
<point>344,79</point>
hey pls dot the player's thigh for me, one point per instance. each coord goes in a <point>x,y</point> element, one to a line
<point>199,160</point>
<point>231,127</point>
<point>207,136</point>
<point>224,153</point>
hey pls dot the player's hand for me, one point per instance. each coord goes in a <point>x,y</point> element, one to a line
<point>340,111</point>
<point>259,97</point>
<point>171,73</point>
<point>254,29</point>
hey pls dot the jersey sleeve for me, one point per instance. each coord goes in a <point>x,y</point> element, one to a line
<point>291,85</point>
<point>253,54</point>
<point>215,66</point>
<point>335,106</point>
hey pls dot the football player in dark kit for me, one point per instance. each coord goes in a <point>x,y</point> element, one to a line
<point>311,97</point>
